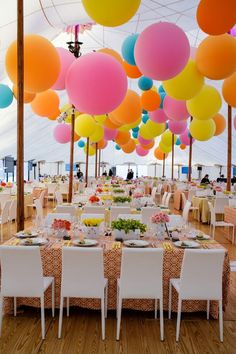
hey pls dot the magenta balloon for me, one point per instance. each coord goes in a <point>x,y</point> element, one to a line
<point>66,59</point>
<point>141,151</point>
<point>144,141</point>
<point>161,51</point>
<point>177,127</point>
<point>110,134</point>
<point>158,116</point>
<point>96,83</point>
<point>175,109</point>
<point>62,133</point>
<point>185,139</point>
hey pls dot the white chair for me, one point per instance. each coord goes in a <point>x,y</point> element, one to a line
<point>22,276</point>
<point>191,208</point>
<point>117,210</point>
<point>175,221</point>
<point>64,189</point>
<point>68,209</point>
<point>39,211</point>
<point>12,210</point>
<point>52,216</point>
<point>153,194</point>
<point>94,210</point>
<point>137,282</point>
<point>51,187</point>
<point>164,198</point>
<point>200,279</point>
<point>167,200</point>
<point>214,223</point>
<point>191,194</point>
<point>3,199</point>
<point>233,266</point>
<point>185,214</point>
<point>41,199</point>
<point>220,203</point>
<point>83,277</point>
<point>4,218</point>
<point>58,197</point>
<point>130,216</point>
<point>146,214</point>
<point>232,202</point>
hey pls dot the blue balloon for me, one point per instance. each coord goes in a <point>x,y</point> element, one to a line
<point>145,118</point>
<point>81,143</point>
<point>136,129</point>
<point>144,83</point>
<point>117,147</point>
<point>161,89</point>
<point>6,96</point>
<point>162,95</point>
<point>144,111</point>
<point>127,48</point>
<point>135,135</point>
<point>178,142</point>
<point>167,125</point>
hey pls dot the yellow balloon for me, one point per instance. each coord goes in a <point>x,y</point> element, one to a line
<point>68,109</point>
<point>202,129</point>
<point>91,150</point>
<point>97,135</point>
<point>136,141</point>
<point>166,138</point>
<point>85,125</point>
<point>206,104</point>
<point>164,148</point>
<point>144,132</point>
<point>154,88</point>
<point>101,118</point>
<point>111,13</point>
<point>155,129</point>
<point>186,84</point>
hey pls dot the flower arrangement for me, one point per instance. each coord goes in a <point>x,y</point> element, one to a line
<point>106,197</point>
<point>121,199</point>
<point>106,189</point>
<point>99,190</point>
<point>94,199</point>
<point>115,185</point>
<point>218,189</point>
<point>137,195</point>
<point>128,225</point>
<point>118,190</point>
<point>159,218</point>
<point>3,184</point>
<point>92,222</point>
<point>1,189</point>
<point>61,224</point>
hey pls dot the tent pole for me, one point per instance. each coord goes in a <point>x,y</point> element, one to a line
<point>99,162</point>
<point>86,167</point>
<point>71,154</point>
<point>96,161</point>
<point>229,151</point>
<point>173,156</point>
<point>190,156</point>
<point>163,167</point>
<point>20,115</point>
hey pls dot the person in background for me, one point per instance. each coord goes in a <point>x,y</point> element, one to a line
<point>104,173</point>
<point>110,172</point>
<point>205,180</point>
<point>131,174</point>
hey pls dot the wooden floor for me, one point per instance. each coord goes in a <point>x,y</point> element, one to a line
<point>139,331</point>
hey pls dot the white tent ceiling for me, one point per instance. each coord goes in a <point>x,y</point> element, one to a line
<point>49,18</point>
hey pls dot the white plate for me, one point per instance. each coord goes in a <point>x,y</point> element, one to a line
<point>136,243</point>
<point>21,234</point>
<point>37,241</point>
<point>205,237</point>
<point>87,243</point>
<point>187,244</point>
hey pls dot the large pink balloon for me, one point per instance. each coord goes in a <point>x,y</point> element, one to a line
<point>177,127</point>
<point>162,51</point>
<point>141,151</point>
<point>144,141</point>
<point>62,133</point>
<point>158,116</point>
<point>185,139</point>
<point>110,134</point>
<point>175,109</point>
<point>96,83</point>
<point>66,59</point>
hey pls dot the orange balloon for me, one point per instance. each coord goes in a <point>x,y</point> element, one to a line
<point>41,63</point>
<point>76,137</point>
<point>113,53</point>
<point>55,115</point>
<point>216,16</point>
<point>102,144</point>
<point>28,97</point>
<point>130,110</point>
<point>45,103</point>
<point>150,100</point>
<point>229,90</point>
<point>220,123</point>
<point>182,146</point>
<point>216,57</point>
<point>109,124</point>
<point>122,138</point>
<point>132,71</point>
<point>159,154</point>
<point>112,118</point>
<point>149,146</point>
<point>129,147</point>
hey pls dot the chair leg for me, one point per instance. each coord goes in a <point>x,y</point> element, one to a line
<point>208,309</point>
<point>119,318</point>
<point>221,320</point>
<point>155,312</point>
<point>117,300</point>
<point>60,317</point>
<point>170,300</point>
<point>1,314</point>
<point>161,319</point>
<point>67,306</point>
<point>53,298</point>
<point>106,299</point>
<point>42,317</point>
<point>178,319</point>
<point>103,317</point>
<point>15,306</point>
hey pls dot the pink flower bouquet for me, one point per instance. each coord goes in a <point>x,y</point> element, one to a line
<point>137,195</point>
<point>159,218</point>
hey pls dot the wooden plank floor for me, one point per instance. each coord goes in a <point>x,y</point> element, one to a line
<point>139,332</point>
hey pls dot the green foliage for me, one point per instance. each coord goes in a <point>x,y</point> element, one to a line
<point>118,190</point>
<point>128,225</point>
<point>121,199</point>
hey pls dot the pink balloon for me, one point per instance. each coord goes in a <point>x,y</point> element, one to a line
<point>177,127</point>
<point>62,133</point>
<point>96,83</point>
<point>66,59</point>
<point>185,139</point>
<point>235,122</point>
<point>144,141</point>
<point>141,151</point>
<point>175,109</point>
<point>162,51</point>
<point>110,134</point>
<point>158,116</point>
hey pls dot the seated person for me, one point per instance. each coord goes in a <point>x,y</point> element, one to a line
<point>205,180</point>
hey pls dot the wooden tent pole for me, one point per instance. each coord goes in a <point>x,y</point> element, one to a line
<point>229,150</point>
<point>20,115</point>
<point>71,154</point>
<point>99,162</point>
<point>163,168</point>
<point>86,166</point>
<point>190,157</point>
<point>173,157</point>
<point>96,161</point>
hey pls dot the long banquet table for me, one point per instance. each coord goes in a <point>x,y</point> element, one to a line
<point>51,260</point>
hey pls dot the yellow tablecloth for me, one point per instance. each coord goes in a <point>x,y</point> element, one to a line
<point>204,213</point>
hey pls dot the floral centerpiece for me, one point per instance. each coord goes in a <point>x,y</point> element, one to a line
<point>137,195</point>
<point>92,227</point>
<point>121,200</point>
<point>61,227</point>
<point>159,221</point>
<point>118,191</point>
<point>94,199</point>
<point>137,199</point>
<point>99,190</point>
<point>115,185</point>
<point>3,184</point>
<point>128,229</point>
